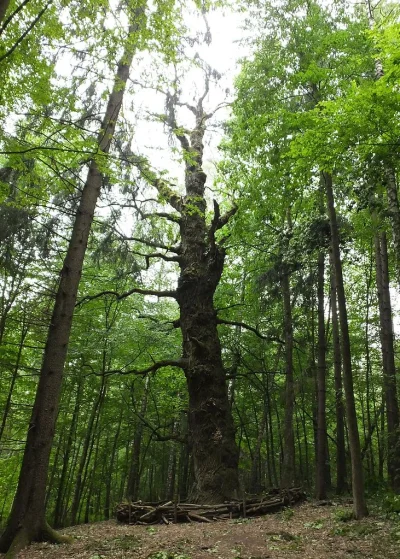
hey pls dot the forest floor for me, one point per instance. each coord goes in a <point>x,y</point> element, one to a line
<point>306,531</point>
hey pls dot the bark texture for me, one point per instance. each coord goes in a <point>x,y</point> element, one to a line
<point>388,360</point>
<point>341,467</point>
<point>360,507</point>
<point>288,462</point>
<point>27,519</point>
<point>321,481</point>
<point>201,261</point>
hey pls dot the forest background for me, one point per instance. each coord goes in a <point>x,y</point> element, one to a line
<point>229,332</point>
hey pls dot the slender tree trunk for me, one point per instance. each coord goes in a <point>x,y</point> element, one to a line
<point>389,367</point>
<point>89,496</point>
<point>184,459</point>
<point>24,332</point>
<point>359,504</point>
<point>86,451</point>
<point>171,471</point>
<point>58,444</point>
<point>110,469</point>
<point>271,433</point>
<point>371,469</point>
<point>321,384</point>
<point>288,464</point>
<point>255,477</point>
<point>71,436</point>
<point>341,468</point>
<point>382,447</point>
<point>394,212</point>
<point>299,451</point>
<point>27,519</point>
<point>389,174</point>
<point>132,490</point>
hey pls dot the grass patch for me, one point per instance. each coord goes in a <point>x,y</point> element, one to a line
<point>354,531</point>
<point>287,514</point>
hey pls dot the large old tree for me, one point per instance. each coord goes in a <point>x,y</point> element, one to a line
<point>201,260</point>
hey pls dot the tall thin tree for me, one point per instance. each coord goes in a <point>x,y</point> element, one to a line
<point>27,520</point>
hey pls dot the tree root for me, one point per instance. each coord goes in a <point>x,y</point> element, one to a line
<point>21,540</point>
<point>24,537</point>
<point>48,534</point>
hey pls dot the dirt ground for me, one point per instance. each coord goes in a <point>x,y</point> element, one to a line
<point>306,531</point>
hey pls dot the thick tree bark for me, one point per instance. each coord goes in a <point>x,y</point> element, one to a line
<point>27,519</point>
<point>201,261</point>
<point>321,482</point>
<point>341,467</point>
<point>388,360</point>
<point>288,463</point>
<point>359,505</point>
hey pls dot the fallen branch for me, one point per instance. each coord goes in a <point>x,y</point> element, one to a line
<point>170,512</point>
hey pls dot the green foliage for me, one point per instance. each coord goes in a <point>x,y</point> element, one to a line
<point>391,503</point>
<point>343,515</point>
<point>316,525</point>
<point>287,514</point>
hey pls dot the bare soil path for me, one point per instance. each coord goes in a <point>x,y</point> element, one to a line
<point>306,531</point>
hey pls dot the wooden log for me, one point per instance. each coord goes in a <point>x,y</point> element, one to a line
<point>172,512</point>
<point>198,517</point>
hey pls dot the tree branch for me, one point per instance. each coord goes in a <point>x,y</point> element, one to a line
<point>159,437</point>
<point>119,296</point>
<point>11,16</point>
<point>166,192</point>
<point>180,363</point>
<point>223,220</point>
<point>175,249</point>
<point>165,215</point>
<point>219,221</point>
<point>157,255</point>
<point>251,329</point>
<point>25,33</point>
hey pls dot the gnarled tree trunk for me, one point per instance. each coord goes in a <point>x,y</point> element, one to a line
<point>201,261</point>
<point>211,429</point>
